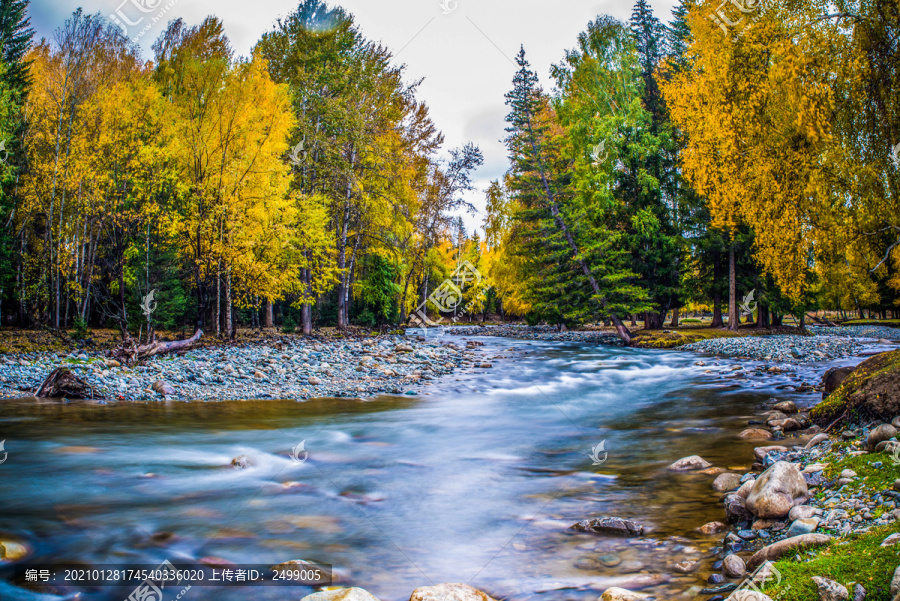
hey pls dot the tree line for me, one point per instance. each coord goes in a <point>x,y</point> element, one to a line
<point>305,179</point>
<point>741,147</point>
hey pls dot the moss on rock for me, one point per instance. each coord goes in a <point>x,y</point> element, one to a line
<point>871,391</point>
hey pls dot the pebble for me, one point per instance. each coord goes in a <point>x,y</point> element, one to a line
<point>283,368</point>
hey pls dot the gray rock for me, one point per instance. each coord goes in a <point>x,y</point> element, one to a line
<point>829,590</point>
<point>163,387</point>
<point>895,583</point>
<point>734,567</point>
<point>803,526</point>
<point>449,592</point>
<point>620,594</point>
<point>801,512</point>
<point>816,440</point>
<point>610,526</point>
<point>735,509</point>
<point>342,594</point>
<point>687,464</point>
<point>777,490</point>
<point>879,434</point>
<point>859,593</point>
<point>726,481</point>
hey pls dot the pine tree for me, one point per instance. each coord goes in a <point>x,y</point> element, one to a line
<point>15,42</point>
<point>572,267</point>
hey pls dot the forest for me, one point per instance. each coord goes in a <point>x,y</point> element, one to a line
<point>745,150</point>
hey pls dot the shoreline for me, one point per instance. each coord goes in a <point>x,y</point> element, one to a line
<point>742,537</point>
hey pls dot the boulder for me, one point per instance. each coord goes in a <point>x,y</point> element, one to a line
<point>342,594</point>
<point>895,583</point>
<point>787,407</point>
<point>163,387</point>
<point>688,464</point>
<point>761,452</point>
<point>726,481</point>
<point>241,462</point>
<point>777,490</point>
<point>756,434</point>
<point>449,592</point>
<point>744,491</point>
<point>712,528</point>
<point>621,594</point>
<point>734,567</point>
<point>870,392</point>
<point>817,439</point>
<point>879,434</point>
<point>833,379</point>
<point>803,512</point>
<point>609,526</point>
<point>803,526</point>
<point>829,590</point>
<point>735,509</point>
<point>777,550</point>
<point>892,540</point>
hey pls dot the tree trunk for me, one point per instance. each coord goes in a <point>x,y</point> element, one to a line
<point>306,309</point>
<point>229,318</point>
<point>674,323</point>
<point>269,315</point>
<point>734,318</point>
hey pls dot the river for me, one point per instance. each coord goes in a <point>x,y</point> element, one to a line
<point>476,481</point>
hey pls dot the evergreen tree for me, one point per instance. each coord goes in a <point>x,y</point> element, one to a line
<point>576,271</point>
<point>15,42</point>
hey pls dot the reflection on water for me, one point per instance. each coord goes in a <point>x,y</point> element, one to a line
<point>475,482</point>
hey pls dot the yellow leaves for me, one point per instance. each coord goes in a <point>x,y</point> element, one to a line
<point>758,115</point>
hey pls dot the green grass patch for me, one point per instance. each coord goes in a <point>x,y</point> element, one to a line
<point>869,477</point>
<point>671,338</point>
<point>872,322</point>
<point>857,559</point>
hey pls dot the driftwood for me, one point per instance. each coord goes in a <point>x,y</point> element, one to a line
<point>62,383</point>
<point>130,351</point>
<point>821,321</point>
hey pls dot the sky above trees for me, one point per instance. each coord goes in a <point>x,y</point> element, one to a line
<point>466,57</point>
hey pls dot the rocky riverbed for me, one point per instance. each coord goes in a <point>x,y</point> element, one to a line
<point>290,368</point>
<point>791,349</point>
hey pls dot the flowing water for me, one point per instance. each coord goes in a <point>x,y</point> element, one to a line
<point>476,481</point>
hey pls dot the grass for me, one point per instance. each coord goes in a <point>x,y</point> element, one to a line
<point>857,559</point>
<point>870,478</point>
<point>872,322</point>
<point>674,337</point>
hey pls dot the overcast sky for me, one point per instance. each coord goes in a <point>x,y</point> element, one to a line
<point>462,48</point>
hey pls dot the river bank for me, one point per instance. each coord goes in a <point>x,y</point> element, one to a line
<point>286,368</point>
<point>479,478</point>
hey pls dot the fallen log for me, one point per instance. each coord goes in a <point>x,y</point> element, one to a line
<point>130,352</point>
<point>62,383</point>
